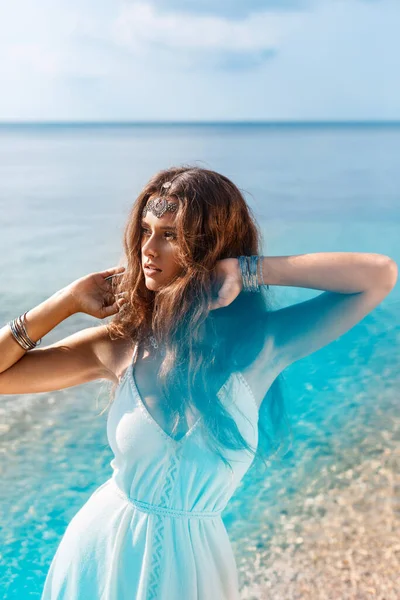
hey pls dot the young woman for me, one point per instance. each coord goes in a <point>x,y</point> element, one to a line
<point>192,353</point>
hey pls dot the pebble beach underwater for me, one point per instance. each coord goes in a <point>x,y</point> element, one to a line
<point>323,522</point>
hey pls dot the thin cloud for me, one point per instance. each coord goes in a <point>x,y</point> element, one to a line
<point>231,8</point>
<point>140,25</point>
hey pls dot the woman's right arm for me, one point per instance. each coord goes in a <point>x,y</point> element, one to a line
<point>79,358</point>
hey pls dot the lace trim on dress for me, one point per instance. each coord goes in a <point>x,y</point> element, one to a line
<point>158,543</point>
<point>245,382</point>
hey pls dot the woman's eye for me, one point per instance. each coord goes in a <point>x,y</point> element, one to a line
<point>166,233</point>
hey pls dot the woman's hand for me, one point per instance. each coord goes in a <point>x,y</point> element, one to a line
<point>227,283</point>
<point>94,295</point>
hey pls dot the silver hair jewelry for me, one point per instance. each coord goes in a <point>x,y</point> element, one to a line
<point>251,270</point>
<point>18,330</point>
<point>160,205</point>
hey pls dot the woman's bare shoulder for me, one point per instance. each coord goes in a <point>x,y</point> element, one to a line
<point>115,354</point>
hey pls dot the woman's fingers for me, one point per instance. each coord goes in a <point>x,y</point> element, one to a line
<point>111,310</point>
<point>112,271</point>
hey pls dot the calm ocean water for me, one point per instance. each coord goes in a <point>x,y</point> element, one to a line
<point>65,193</point>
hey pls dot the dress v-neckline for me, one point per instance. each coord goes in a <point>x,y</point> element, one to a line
<point>147,413</point>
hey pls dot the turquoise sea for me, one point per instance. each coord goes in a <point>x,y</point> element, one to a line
<point>65,193</point>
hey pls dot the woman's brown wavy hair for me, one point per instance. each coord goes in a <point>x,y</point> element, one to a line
<point>202,347</point>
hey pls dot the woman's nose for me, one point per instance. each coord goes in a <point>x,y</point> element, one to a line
<point>150,245</point>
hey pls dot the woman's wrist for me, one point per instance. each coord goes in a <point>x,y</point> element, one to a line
<point>37,321</point>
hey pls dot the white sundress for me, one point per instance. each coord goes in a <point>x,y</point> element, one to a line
<point>154,529</point>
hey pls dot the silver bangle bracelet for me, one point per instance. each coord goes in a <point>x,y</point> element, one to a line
<point>249,268</point>
<point>18,330</point>
<point>260,271</point>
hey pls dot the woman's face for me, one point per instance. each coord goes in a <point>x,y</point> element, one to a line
<point>159,247</point>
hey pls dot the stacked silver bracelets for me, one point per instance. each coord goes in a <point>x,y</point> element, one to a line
<point>251,269</point>
<point>18,329</point>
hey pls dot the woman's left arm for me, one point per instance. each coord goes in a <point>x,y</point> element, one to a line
<point>354,283</point>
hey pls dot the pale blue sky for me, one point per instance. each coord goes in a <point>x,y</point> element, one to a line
<point>199,60</point>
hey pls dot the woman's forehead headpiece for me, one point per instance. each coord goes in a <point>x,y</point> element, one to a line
<point>160,205</point>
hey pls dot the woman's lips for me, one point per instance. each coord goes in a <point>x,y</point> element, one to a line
<point>151,271</point>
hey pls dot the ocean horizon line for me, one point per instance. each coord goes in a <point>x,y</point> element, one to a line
<point>238,123</point>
